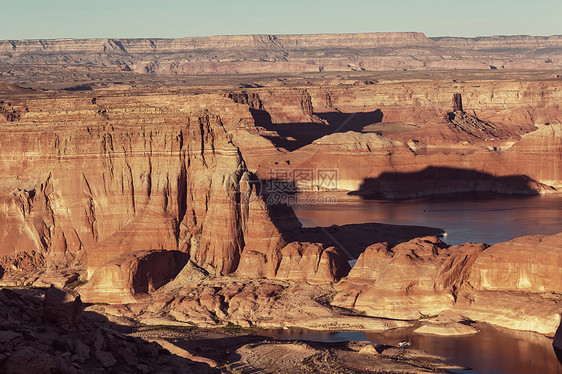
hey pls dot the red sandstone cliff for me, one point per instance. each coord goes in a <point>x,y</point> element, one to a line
<point>512,284</point>
<point>130,184</point>
<point>86,178</point>
<point>396,128</point>
<point>84,181</point>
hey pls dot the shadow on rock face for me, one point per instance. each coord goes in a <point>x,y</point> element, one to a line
<point>435,181</point>
<point>380,348</point>
<point>357,237</point>
<point>293,136</point>
<point>557,343</point>
<point>343,122</point>
<point>131,274</point>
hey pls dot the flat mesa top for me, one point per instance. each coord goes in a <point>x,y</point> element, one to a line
<point>251,61</point>
<point>81,80</point>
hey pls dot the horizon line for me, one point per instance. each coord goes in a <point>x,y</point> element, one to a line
<point>286,34</point>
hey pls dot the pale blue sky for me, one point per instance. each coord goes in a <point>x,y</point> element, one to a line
<point>29,19</point>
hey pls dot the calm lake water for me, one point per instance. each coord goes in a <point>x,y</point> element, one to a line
<point>490,351</point>
<point>478,220</point>
<point>482,220</point>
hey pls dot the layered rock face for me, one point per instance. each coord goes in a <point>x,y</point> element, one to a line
<point>411,280</point>
<point>539,154</point>
<point>121,279</point>
<point>88,180</point>
<point>97,175</point>
<point>123,187</point>
<point>425,277</point>
<point>299,261</point>
<point>420,100</point>
<point>127,183</point>
<point>377,137</point>
<point>382,167</point>
<point>526,264</point>
<point>292,53</point>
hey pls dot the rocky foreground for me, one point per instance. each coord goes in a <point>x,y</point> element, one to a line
<point>45,331</point>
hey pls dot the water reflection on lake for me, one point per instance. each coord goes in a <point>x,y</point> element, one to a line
<point>490,351</point>
<point>493,350</point>
<point>484,220</point>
